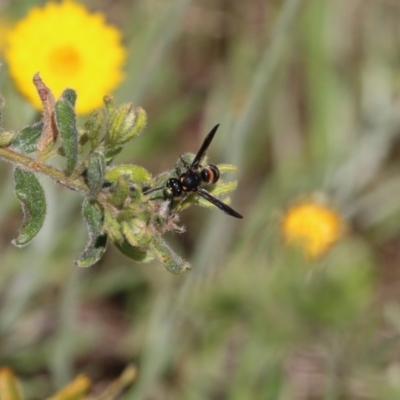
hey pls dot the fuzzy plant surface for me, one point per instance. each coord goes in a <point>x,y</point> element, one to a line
<point>115,205</point>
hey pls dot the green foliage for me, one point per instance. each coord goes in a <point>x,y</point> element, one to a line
<point>31,196</point>
<point>66,126</point>
<point>70,96</point>
<point>26,140</point>
<point>133,173</point>
<point>96,246</point>
<point>96,173</point>
<point>114,206</point>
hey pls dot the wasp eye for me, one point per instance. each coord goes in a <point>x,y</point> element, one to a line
<point>175,186</point>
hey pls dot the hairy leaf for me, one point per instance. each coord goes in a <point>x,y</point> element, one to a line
<point>31,196</point>
<point>119,192</point>
<point>70,95</point>
<point>27,139</point>
<point>134,173</point>
<point>95,173</point>
<point>226,168</point>
<point>223,187</point>
<point>134,253</point>
<point>171,261</point>
<point>66,125</point>
<point>96,245</point>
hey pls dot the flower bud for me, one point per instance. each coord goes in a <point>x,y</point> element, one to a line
<point>6,138</point>
<point>136,232</point>
<point>124,123</point>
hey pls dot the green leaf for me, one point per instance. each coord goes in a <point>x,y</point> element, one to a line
<point>96,246</point>
<point>163,253</point>
<point>93,127</point>
<point>112,152</point>
<point>134,173</point>
<point>93,252</point>
<point>70,95</point>
<point>134,253</point>
<point>119,191</point>
<point>66,125</point>
<point>95,173</point>
<point>223,187</point>
<point>226,168</point>
<point>26,140</point>
<point>31,196</point>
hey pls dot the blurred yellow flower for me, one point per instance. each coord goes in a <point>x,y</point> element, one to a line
<point>69,47</point>
<point>312,226</point>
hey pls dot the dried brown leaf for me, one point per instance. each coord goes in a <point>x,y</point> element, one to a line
<point>49,134</point>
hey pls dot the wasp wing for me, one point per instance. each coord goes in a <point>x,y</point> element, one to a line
<point>204,147</point>
<point>218,203</point>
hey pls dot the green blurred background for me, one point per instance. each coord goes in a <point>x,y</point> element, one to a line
<point>308,97</point>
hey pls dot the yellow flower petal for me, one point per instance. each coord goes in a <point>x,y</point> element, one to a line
<point>69,47</point>
<point>313,226</point>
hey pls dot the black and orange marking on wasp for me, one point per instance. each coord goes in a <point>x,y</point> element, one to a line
<point>190,180</point>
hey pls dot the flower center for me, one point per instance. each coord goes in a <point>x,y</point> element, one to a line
<point>65,60</point>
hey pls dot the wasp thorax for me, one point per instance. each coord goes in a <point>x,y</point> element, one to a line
<point>210,173</point>
<point>190,180</point>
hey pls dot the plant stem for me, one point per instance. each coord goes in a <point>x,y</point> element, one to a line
<point>27,163</point>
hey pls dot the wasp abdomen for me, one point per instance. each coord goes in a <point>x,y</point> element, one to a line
<point>210,173</point>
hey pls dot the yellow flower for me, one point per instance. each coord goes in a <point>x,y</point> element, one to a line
<point>69,47</point>
<point>312,226</point>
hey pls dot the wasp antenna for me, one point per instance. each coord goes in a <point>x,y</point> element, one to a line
<point>153,190</point>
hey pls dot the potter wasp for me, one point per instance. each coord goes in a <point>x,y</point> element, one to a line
<point>194,176</point>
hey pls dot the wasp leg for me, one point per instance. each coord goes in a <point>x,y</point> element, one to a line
<point>180,201</point>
